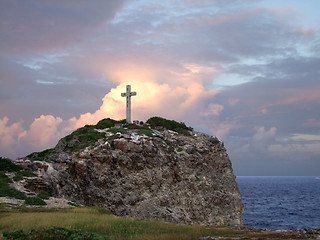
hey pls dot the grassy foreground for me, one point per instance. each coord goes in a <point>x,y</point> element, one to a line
<point>95,220</point>
<point>101,222</point>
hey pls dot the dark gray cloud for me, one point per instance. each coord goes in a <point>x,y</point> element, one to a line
<point>36,26</point>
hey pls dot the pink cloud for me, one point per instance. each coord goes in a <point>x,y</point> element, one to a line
<point>10,136</point>
<point>234,101</point>
<point>43,132</point>
<point>222,129</point>
<point>264,111</point>
<point>153,99</point>
<point>213,109</point>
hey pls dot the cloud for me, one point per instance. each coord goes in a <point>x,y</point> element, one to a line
<point>214,109</point>
<point>312,122</point>
<point>296,148</point>
<point>152,98</point>
<point>222,67</point>
<point>298,142</point>
<point>43,132</point>
<point>263,134</point>
<point>10,136</point>
<point>36,26</point>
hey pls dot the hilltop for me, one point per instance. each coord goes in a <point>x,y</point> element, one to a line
<point>158,170</point>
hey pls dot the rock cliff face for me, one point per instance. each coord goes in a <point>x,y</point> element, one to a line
<point>169,176</point>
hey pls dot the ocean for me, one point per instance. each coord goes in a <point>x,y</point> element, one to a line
<point>281,203</point>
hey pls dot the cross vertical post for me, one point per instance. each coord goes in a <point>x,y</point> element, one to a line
<point>128,95</point>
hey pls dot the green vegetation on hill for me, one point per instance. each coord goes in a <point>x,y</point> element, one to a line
<point>41,156</point>
<point>34,201</point>
<point>168,124</point>
<point>8,166</point>
<point>19,175</point>
<point>88,135</point>
<point>82,138</point>
<point>5,189</point>
<point>77,140</point>
<point>107,123</point>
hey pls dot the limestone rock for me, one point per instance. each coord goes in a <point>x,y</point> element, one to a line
<point>170,176</point>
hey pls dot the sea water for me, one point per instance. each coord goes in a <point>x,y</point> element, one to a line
<point>281,202</point>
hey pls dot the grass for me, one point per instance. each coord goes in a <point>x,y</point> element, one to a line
<point>95,221</point>
<point>100,224</point>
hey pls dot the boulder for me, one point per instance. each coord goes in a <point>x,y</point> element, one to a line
<point>179,178</point>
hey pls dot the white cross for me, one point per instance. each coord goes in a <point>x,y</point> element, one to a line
<point>128,94</point>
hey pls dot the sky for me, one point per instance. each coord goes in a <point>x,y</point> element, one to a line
<point>246,71</point>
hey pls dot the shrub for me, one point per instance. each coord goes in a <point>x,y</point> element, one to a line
<point>7,165</point>
<point>132,126</point>
<point>7,191</point>
<point>34,201</point>
<point>115,136</point>
<point>54,233</point>
<point>4,180</point>
<point>147,132</point>
<point>180,149</point>
<point>82,137</point>
<point>44,195</point>
<point>41,156</point>
<point>168,124</point>
<point>105,123</point>
<point>73,204</point>
<point>144,127</point>
<point>116,130</point>
<point>21,174</point>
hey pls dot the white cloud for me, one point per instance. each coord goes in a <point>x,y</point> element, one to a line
<point>263,134</point>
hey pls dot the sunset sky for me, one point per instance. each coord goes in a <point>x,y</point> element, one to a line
<point>246,71</point>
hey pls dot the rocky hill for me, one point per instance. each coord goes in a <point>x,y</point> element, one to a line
<point>162,170</point>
